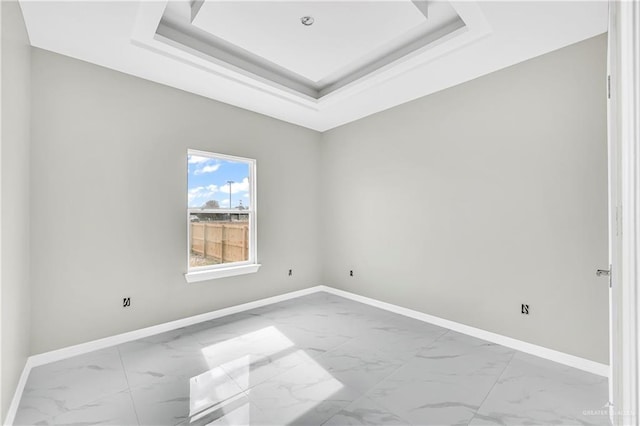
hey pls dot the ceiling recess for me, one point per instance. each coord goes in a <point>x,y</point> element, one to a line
<point>262,40</point>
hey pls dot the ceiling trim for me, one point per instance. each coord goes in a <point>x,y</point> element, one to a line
<point>146,35</point>
<point>122,36</point>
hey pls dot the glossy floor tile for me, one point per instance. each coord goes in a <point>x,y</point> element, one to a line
<point>314,360</point>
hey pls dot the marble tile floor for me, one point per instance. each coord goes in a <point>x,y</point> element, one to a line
<point>315,360</point>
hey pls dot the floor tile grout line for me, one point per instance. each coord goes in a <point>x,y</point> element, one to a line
<point>360,395</point>
<point>89,401</point>
<point>411,350</point>
<point>217,406</point>
<point>336,347</point>
<point>243,392</point>
<point>246,392</point>
<point>126,377</point>
<point>431,344</point>
<point>365,394</point>
<point>493,386</point>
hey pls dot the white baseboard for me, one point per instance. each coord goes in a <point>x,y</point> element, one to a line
<point>68,352</point>
<point>540,351</point>
<point>13,407</point>
<point>71,351</point>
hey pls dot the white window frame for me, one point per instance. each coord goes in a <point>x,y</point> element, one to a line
<point>205,273</point>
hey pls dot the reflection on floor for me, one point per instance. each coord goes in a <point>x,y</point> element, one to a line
<point>314,360</point>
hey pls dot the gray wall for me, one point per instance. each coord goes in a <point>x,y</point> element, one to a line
<point>466,203</point>
<point>463,204</point>
<point>109,195</point>
<point>14,154</point>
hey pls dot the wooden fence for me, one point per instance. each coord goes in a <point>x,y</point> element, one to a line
<point>222,242</point>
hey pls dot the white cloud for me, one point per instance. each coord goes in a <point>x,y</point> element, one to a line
<point>195,192</point>
<point>224,202</point>
<point>209,168</point>
<point>194,159</point>
<point>236,187</point>
<point>201,194</point>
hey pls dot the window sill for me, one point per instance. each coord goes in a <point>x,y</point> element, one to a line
<point>212,274</point>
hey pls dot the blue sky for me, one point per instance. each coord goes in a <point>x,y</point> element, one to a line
<point>207,180</point>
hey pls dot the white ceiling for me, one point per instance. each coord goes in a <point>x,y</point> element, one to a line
<point>351,42</point>
<point>358,58</point>
<point>274,30</point>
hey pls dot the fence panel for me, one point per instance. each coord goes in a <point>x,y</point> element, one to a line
<point>221,242</point>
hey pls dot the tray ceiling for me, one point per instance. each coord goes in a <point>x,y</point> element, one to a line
<point>347,40</point>
<point>358,57</point>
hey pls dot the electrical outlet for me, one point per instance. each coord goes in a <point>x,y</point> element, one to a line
<point>126,302</point>
<point>524,309</point>
<point>350,273</point>
<point>290,272</point>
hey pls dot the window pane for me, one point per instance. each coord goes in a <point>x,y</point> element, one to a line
<point>218,183</point>
<point>218,238</point>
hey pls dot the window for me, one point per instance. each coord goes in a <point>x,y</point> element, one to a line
<point>221,216</point>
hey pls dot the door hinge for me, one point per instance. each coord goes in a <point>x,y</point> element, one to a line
<point>608,87</point>
<point>605,273</point>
